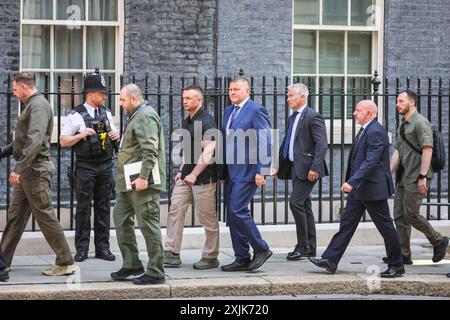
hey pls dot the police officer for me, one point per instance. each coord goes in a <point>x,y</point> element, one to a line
<point>90,130</point>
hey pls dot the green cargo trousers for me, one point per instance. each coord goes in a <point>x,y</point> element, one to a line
<point>145,206</point>
<point>34,194</point>
<point>407,201</point>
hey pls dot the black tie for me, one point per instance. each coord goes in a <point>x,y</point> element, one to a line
<point>361,130</point>
<point>96,114</point>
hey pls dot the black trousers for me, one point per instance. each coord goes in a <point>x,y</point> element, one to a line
<point>93,181</point>
<point>354,210</point>
<point>300,204</point>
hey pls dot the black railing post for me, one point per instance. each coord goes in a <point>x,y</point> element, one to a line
<point>429,119</point>
<point>71,169</point>
<point>158,96</point>
<point>376,86</point>
<point>58,158</point>
<point>275,141</point>
<point>331,180</point>
<point>419,95</point>
<point>439,117</point>
<point>8,141</point>
<point>386,104</point>
<point>397,92</point>
<point>169,173</point>
<point>263,188</point>
<point>252,96</point>
<point>331,150</point>
<point>286,182</point>
<point>342,146</point>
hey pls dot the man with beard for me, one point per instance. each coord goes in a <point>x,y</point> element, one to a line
<point>414,176</point>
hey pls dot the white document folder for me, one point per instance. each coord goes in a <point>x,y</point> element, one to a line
<point>132,171</point>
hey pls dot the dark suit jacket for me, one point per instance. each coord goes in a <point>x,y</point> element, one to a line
<point>248,159</point>
<point>368,170</point>
<point>310,147</point>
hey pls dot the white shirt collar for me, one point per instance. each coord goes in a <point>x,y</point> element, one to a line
<point>89,107</point>
<point>366,124</point>
<point>242,103</point>
<point>301,109</point>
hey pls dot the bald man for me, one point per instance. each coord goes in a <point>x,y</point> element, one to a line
<point>368,183</point>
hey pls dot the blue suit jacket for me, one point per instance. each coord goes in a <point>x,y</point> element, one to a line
<point>368,170</point>
<point>243,159</point>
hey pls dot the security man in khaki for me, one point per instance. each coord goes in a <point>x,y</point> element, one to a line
<point>414,176</point>
<point>31,178</point>
<point>142,147</point>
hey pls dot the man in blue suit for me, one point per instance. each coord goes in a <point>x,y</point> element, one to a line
<point>302,157</point>
<point>246,150</point>
<point>369,185</point>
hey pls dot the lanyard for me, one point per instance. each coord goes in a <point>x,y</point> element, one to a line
<point>129,120</point>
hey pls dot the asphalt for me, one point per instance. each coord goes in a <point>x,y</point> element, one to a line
<point>356,275</point>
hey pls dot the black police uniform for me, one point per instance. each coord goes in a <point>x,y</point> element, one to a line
<point>93,179</point>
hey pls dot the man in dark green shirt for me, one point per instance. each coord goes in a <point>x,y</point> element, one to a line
<point>142,145</point>
<point>31,177</point>
<point>414,176</point>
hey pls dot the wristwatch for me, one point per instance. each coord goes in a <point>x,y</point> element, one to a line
<point>422,176</point>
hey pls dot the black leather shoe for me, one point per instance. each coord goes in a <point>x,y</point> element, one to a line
<point>324,263</point>
<point>4,275</point>
<point>297,254</point>
<point>393,272</point>
<point>258,259</point>
<point>105,254</point>
<point>440,250</point>
<point>124,273</point>
<point>147,279</point>
<point>81,255</point>
<point>236,266</point>
<point>406,260</point>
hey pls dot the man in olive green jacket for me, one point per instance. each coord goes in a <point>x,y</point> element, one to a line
<point>142,141</point>
<point>31,177</point>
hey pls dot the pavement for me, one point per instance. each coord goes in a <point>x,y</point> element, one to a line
<point>356,275</point>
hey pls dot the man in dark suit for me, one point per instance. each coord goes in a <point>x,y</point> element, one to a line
<point>303,151</point>
<point>369,185</point>
<point>245,130</point>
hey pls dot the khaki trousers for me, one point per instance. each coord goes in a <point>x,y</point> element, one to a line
<point>34,195</point>
<point>144,205</point>
<point>204,197</point>
<point>407,203</point>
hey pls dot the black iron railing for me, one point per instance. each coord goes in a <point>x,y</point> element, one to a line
<point>334,97</point>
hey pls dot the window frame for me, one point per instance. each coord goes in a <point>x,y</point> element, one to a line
<point>52,71</point>
<point>377,60</point>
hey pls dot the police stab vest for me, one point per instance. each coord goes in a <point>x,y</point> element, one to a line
<point>97,147</point>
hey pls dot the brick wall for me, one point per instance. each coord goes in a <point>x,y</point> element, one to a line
<point>255,36</point>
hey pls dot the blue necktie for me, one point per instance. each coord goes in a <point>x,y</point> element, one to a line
<point>234,115</point>
<point>289,134</point>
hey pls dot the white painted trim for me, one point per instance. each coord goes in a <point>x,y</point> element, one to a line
<point>119,48</point>
<point>377,46</point>
<point>65,23</point>
<point>333,28</point>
